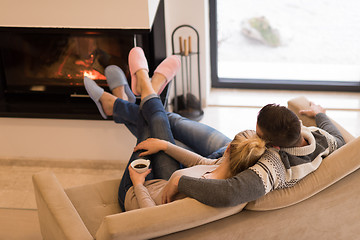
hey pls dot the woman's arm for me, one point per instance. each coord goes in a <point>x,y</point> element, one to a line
<point>141,192</point>
<point>182,155</point>
<point>143,196</point>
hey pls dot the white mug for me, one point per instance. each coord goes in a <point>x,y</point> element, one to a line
<point>140,165</point>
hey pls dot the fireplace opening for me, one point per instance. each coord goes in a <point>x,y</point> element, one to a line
<point>42,73</point>
<point>42,70</point>
<point>57,63</point>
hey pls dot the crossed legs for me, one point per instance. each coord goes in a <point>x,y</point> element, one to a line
<point>144,123</point>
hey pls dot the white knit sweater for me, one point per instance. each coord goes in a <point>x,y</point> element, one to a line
<point>285,167</point>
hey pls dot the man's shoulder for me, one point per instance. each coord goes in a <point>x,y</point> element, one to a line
<point>270,169</point>
<point>271,155</point>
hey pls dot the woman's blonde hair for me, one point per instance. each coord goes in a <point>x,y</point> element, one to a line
<point>245,150</point>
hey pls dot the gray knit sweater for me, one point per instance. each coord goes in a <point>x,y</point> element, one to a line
<point>276,169</point>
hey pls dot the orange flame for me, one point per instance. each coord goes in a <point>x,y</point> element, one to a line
<point>94,75</point>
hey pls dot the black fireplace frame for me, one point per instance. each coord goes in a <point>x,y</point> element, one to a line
<point>68,106</point>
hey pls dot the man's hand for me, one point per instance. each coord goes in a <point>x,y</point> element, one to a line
<point>138,178</point>
<point>170,190</point>
<point>151,146</point>
<point>314,109</point>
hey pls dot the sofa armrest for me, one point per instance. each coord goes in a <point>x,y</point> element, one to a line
<point>161,220</point>
<point>301,103</point>
<point>58,217</point>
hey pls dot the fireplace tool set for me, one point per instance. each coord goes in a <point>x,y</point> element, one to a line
<point>187,104</point>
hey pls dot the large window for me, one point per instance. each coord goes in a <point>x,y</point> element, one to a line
<point>298,44</point>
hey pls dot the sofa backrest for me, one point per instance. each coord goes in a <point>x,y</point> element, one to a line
<point>95,201</point>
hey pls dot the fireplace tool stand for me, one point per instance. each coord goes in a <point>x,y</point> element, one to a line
<point>187,104</point>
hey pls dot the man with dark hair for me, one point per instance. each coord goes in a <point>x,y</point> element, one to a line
<point>278,126</point>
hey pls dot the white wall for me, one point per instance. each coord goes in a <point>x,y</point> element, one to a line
<point>132,14</point>
<point>58,139</point>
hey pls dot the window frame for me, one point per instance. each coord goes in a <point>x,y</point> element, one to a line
<point>290,84</point>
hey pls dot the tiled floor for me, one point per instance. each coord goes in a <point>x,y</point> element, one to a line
<point>17,199</point>
<point>17,188</point>
<point>229,110</point>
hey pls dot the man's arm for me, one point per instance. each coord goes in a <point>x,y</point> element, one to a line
<point>244,187</point>
<point>323,122</point>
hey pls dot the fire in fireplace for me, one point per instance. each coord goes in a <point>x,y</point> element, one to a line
<point>58,62</point>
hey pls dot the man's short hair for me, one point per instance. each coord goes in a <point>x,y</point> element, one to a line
<point>279,126</point>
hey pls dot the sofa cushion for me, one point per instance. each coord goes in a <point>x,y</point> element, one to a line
<point>333,168</point>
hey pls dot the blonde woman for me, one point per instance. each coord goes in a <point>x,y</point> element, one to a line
<point>242,152</point>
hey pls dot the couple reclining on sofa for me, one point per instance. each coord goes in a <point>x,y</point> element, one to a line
<point>279,154</point>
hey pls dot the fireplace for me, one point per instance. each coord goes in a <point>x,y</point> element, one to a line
<point>42,69</point>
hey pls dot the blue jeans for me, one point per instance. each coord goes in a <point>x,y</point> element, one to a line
<point>152,121</point>
<point>198,137</point>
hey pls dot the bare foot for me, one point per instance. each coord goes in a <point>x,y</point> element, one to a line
<point>157,81</point>
<point>107,101</point>
<point>143,84</point>
<point>120,93</point>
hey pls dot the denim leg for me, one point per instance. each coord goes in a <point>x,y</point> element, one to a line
<point>126,113</point>
<point>201,138</point>
<point>184,130</point>
<point>151,122</point>
<point>126,183</point>
<point>163,166</point>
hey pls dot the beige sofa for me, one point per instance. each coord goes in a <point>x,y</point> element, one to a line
<point>318,207</point>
